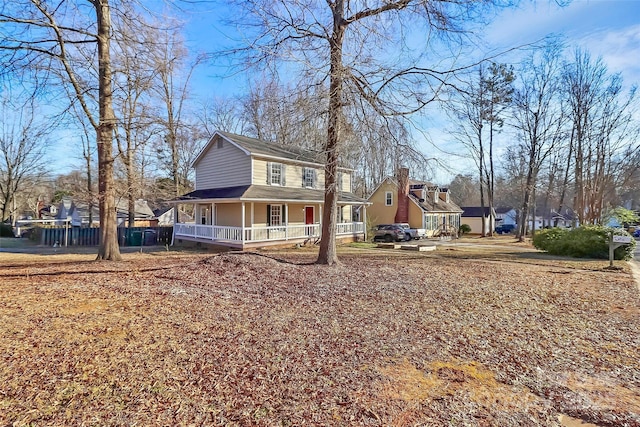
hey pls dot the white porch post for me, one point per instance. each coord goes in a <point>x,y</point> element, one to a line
<point>243,221</point>
<point>364,221</point>
<point>286,221</point>
<point>175,222</point>
<point>252,219</point>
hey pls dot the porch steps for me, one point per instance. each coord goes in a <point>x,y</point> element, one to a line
<point>389,245</point>
<point>420,248</point>
<point>407,247</point>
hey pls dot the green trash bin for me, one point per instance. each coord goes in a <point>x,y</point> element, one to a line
<point>135,238</point>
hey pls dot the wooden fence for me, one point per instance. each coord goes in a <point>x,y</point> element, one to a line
<point>90,236</point>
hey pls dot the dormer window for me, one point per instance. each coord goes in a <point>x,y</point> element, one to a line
<point>275,174</point>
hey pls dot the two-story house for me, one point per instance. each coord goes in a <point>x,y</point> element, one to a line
<point>251,193</point>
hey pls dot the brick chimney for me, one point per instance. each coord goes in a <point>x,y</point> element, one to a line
<point>402,213</point>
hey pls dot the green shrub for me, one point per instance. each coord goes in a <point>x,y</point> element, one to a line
<point>583,242</point>
<point>464,229</point>
<point>548,237</point>
<point>6,230</point>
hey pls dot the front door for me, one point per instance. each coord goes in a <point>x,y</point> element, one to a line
<point>308,219</point>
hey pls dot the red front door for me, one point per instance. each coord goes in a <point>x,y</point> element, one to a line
<point>308,215</point>
<point>308,219</point>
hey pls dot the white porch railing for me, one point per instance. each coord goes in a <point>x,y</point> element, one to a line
<point>261,234</point>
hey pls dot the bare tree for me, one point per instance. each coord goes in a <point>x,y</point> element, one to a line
<point>47,39</point>
<point>604,133</point>
<point>478,109</point>
<point>538,119</point>
<point>173,73</point>
<point>134,76</point>
<point>342,44</point>
<point>22,148</point>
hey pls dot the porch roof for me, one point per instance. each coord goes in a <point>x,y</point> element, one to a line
<point>266,193</point>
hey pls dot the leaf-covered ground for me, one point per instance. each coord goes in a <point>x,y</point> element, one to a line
<point>382,340</point>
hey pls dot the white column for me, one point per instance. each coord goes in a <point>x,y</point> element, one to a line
<point>242,227</point>
<point>286,223</point>
<point>253,221</point>
<point>364,221</point>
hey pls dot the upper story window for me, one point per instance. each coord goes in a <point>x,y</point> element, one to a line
<point>275,174</point>
<point>308,177</point>
<point>388,198</point>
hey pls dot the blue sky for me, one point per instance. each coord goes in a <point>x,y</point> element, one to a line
<point>607,28</point>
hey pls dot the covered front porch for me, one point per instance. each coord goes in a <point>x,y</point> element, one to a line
<point>247,224</point>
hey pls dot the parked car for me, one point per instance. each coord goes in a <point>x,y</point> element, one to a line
<point>413,233</point>
<point>505,228</point>
<point>389,233</point>
<point>636,233</point>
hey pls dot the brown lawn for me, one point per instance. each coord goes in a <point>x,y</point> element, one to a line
<point>388,338</point>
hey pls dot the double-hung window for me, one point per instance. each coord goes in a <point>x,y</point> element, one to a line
<point>275,173</point>
<point>276,215</point>
<point>309,177</point>
<point>388,196</point>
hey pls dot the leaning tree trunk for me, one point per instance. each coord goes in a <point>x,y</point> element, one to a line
<point>109,249</point>
<point>328,253</point>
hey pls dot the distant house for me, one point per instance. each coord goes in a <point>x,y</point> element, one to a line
<point>143,216</point>
<point>472,216</point>
<point>420,204</point>
<point>165,216</point>
<point>77,214</point>
<point>565,218</point>
<point>506,215</point>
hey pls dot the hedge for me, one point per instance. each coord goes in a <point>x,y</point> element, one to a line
<point>583,242</point>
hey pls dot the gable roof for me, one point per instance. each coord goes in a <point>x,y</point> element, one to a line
<point>503,209</point>
<point>475,211</point>
<point>141,208</point>
<point>253,146</point>
<point>428,204</point>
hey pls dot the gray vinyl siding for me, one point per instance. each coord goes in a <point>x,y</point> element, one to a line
<point>227,166</point>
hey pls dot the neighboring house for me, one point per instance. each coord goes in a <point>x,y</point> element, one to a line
<point>565,219</point>
<point>418,203</point>
<point>472,216</point>
<point>77,214</point>
<point>251,193</point>
<point>165,216</point>
<point>143,215</point>
<point>506,215</point>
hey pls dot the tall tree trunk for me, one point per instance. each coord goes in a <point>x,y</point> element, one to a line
<point>131,198</point>
<point>565,181</point>
<point>483,232</point>
<point>109,249</point>
<point>87,158</point>
<point>328,253</point>
<point>491,184</point>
